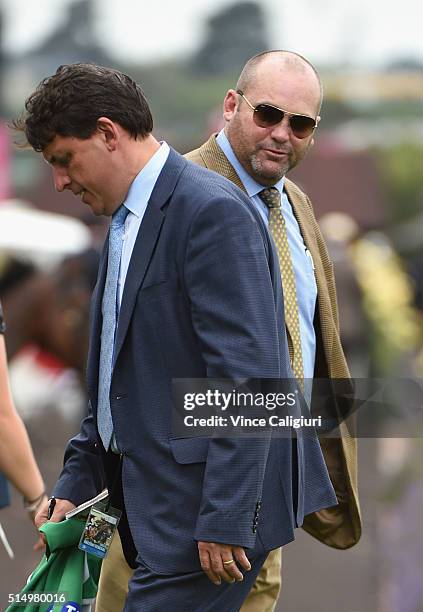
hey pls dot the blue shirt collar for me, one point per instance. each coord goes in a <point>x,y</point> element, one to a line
<point>143,184</point>
<point>251,186</point>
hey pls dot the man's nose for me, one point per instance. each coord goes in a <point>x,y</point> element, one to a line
<point>61,179</point>
<point>282,130</point>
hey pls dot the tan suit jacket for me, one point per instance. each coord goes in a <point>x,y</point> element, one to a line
<point>340,526</point>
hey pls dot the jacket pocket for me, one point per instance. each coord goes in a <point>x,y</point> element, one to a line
<point>153,290</point>
<point>189,450</point>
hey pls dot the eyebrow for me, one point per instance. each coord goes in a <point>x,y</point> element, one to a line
<point>58,159</point>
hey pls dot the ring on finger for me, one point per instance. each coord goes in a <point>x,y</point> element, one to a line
<point>228,562</point>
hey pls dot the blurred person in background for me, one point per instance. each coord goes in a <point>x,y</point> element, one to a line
<point>17,461</point>
<point>47,310</point>
<point>270,119</point>
<point>340,231</point>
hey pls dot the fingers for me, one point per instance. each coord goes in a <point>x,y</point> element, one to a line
<point>228,572</point>
<point>206,565</point>
<point>62,506</point>
<point>41,516</point>
<point>33,513</point>
<point>241,557</point>
<point>218,562</point>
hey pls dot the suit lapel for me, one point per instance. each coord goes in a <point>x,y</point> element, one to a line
<point>148,235</point>
<point>216,160</point>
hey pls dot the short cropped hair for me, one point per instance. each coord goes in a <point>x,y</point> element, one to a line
<point>288,58</point>
<point>70,102</point>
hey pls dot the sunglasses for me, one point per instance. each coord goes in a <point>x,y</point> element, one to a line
<point>267,115</point>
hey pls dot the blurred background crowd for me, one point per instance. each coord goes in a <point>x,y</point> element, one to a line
<point>364,176</point>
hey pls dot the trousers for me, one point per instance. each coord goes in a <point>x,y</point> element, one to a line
<point>116,574</point>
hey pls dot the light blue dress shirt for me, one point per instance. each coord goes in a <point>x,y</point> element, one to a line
<point>136,202</point>
<point>301,258</point>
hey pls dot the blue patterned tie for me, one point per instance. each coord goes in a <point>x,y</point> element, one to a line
<point>109,310</point>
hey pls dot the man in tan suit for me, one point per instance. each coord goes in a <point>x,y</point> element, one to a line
<point>270,120</point>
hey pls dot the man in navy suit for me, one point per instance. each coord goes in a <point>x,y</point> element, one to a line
<point>188,287</point>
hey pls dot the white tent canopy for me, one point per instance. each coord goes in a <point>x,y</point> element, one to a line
<point>42,237</point>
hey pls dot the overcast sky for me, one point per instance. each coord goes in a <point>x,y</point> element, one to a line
<point>364,32</point>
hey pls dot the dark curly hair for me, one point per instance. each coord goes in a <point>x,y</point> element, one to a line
<point>70,102</point>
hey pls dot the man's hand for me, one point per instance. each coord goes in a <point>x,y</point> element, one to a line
<point>220,561</point>
<point>62,506</point>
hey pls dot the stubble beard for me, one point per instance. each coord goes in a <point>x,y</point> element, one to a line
<point>268,177</point>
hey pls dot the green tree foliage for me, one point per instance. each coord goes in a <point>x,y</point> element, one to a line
<point>234,34</point>
<point>182,103</point>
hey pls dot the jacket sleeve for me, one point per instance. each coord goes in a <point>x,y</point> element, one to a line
<point>229,285</point>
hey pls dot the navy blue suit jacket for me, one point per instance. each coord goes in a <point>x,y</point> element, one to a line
<point>202,299</point>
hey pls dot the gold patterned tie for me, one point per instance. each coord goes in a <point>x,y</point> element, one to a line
<point>272,198</point>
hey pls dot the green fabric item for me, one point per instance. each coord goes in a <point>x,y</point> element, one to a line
<point>63,569</point>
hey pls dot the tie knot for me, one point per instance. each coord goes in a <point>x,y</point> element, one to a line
<point>118,218</point>
<point>271,197</point>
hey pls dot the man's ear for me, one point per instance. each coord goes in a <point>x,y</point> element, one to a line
<point>109,131</point>
<point>230,104</point>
